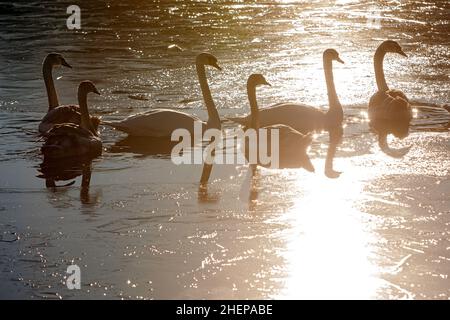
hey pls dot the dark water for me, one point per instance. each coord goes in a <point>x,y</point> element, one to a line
<point>143,230</point>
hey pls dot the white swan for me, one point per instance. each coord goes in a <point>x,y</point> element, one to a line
<point>389,110</point>
<point>292,144</point>
<point>71,140</point>
<point>162,122</point>
<point>306,119</point>
<point>58,114</point>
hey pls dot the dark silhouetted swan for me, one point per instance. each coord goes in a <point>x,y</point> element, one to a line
<point>292,144</point>
<point>71,140</point>
<point>58,114</point>
<point>389,110</point>
<point>306,119</point>
<point>160,123</point>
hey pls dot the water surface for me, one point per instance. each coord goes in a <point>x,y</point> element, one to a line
<point>143,229</point>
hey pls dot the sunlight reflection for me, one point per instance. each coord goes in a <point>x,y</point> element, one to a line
<point>342,2</point>
<point>328,249</point>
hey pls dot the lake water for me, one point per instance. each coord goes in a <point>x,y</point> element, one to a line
<point>144,230</point>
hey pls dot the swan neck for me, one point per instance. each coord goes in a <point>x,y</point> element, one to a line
<point>85,118</point>
<point>333,99</point>
<point>50,86</point>
<point>379,72</point>
<point>213,115</point>
<point>251,92</point>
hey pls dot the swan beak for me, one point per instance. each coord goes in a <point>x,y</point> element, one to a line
<point>401,52</point>
<point>96,91</point>
<point>65,64</point>
<point>268,84</point>
<point>215,65</point>
<point>340,60</point>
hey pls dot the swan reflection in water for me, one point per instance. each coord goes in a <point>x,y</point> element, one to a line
<point>145,146</point>
<point>431,119</point>
<point>250,187</point>
<point>162,148</point>
<point>397,127</point>
<point>68,170</point>
<point>205,196</point>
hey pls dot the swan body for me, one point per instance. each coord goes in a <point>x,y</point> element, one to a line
<point>159,123</point>
<point>300,117</point>
<point>71,140</point>
<point>389,110</point>
<point>162,122</point>
<point>306,119</point>
<point>58,114</point>
<point>292,143</point>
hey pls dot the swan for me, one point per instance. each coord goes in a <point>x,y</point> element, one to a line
<point>389,110</point>
<point>306,119</point>
<point>54,170</point>
<point>160,123</point>
<point>58,114</point>
<point>292,144</point>
<point>71,140</point>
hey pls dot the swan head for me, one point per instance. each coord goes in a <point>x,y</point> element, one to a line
<point>208,59</point>
<point>56,60</point>
<point>392,46</point>
<point>87,87</point>
<point>331,54</point>
<point>257,79</point>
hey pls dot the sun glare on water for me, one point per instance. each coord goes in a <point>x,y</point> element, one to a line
<point>328,249</point>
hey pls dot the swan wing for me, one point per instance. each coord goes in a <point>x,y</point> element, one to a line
<point>300,117</point>
<point>155,123</point>
<point>63,114</point>
<point>390,113</point>
<point>389,104</point>
<point>69,129</point>
<point>58,115</point>
<point>397,94</point>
